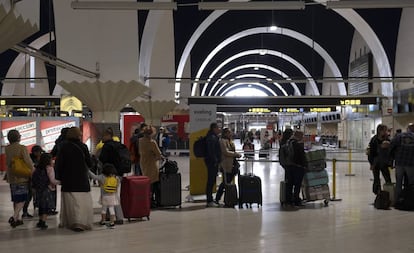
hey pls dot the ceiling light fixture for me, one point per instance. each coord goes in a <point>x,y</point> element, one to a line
<point>256,5</point>
<point>122,5</point>
<point>372,4</point>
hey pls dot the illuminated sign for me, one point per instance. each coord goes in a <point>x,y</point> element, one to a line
<point>259,110</point>
<point>293,110</point>
<point>351,102</point>
<point>323,109</point>
<point>2,102</point>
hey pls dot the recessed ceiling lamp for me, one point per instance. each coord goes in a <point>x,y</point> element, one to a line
<point>122,5</point>
<point>273,28</point>
<point>366,4</point>
<point>256,5</point>
<point>262,51</point>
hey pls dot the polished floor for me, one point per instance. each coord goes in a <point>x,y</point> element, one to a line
<point>349,225</point>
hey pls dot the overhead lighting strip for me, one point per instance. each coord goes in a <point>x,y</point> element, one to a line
<point>122,5</point>
<point>366,4</point>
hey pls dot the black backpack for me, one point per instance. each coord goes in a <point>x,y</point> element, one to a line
<point>286,154</point>
<point>40,179</point>
<point>169,167</point>
<point>382,201</point>
<point>200,147</point>
<point>123,163</point>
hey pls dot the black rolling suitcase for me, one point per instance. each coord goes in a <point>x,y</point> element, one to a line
<point>250,188</point>
<point>170,190</point>
<point>230,194</point>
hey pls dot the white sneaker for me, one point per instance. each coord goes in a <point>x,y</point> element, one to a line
<point>212,204</point>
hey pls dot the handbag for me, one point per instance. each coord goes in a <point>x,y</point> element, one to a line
<point>236,167</point>
<point>20,168</point>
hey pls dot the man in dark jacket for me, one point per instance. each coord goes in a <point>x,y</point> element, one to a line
<point>402,151</point>
<point>379,158</point>
<point>294,173</point>
<point>212,160</point>
<point>109,154</point>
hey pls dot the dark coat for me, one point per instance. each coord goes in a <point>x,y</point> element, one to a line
<point>109,154</point>
<point>299,153</point>
<point>72,166</point>
<point>213,155</point>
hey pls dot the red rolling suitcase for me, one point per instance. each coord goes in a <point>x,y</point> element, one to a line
<point>135,197</point>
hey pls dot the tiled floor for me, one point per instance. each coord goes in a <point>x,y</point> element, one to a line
<point>350,225</point>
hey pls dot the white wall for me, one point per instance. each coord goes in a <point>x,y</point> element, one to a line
<point>88,37</point>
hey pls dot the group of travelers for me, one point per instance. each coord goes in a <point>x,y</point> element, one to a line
<point>385,153</point>
<point>69,164</point>
<point>220,156</point>
<point>70,161</point>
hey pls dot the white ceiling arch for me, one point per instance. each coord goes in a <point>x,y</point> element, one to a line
<point>283,31</point>
<point>18,65</point>
<point>253,84</point>
<point>257,76</point>
<point>251,66</point>
<point>258,51</point>
<point>348,14</point>
<point>373,42</point>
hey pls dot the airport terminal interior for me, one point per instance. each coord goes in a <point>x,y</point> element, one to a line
<point>332,69</point>
<point>348,224</point>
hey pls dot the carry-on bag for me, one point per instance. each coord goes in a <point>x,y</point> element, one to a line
<point>382,200</point>
<point>318,192</point>
<point>315,155</point>
<point>314,178</point>
<point>250,188</point>
<point>136,197</point>
<point>391,189</point>
<point>230,193</point>
<point>316,165</point>
<point>170,190</point>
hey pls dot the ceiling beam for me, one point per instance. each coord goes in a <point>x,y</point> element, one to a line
<point>369,4</point>
<point>122,5</point>
<point>257,5</point>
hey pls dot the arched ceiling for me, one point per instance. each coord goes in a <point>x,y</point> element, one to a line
<point>330,30</point>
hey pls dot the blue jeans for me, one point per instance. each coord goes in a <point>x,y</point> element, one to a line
<point>400,173</point>
<point>212,170</point>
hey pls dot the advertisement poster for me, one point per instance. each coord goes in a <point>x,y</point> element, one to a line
<point>201,116</point>
<point>50,131</point>
<point>27,130</point>
<point>130,122</point>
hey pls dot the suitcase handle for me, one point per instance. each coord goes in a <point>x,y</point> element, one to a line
<point>245,166</point>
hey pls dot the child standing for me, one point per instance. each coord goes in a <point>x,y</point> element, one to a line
<point>44,182</point>
<point>108,182</point>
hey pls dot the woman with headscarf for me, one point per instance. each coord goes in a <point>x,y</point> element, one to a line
<point>150,155</point>
<point>72,166</point>
<point>19,185</point>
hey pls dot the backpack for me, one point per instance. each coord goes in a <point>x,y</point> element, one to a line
<point>200,147</point>
<point>286,154</point>
<point>40,179</point>
<point>169,167</point>
<point>123,163</point>
<point>382,200</point>
<point>110,185</point>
